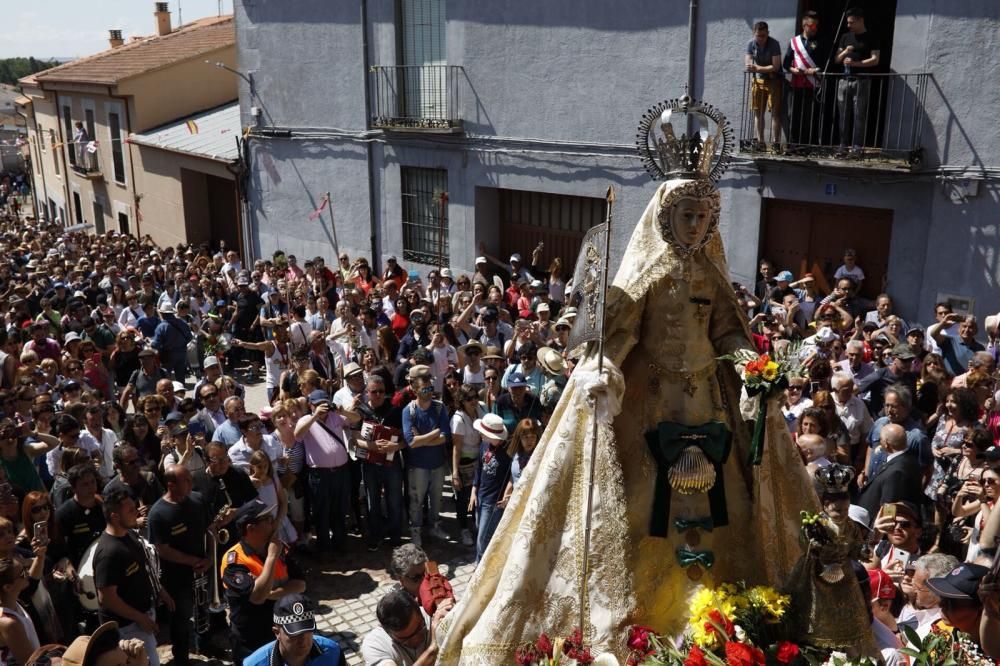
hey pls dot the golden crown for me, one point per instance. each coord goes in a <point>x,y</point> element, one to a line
<point>685,138</point>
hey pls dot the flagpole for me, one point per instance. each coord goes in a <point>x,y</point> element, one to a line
<point>333,227</point>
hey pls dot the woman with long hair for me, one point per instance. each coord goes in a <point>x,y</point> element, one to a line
<point>291,471</point>
<point>271,492</point>
<point>957,415</point>
<point>557,287</point>
<point>933,383</point>
<point>978,498</point>
<point>838,439</point>
<point>17,455</point>
<point>465,450</point>
<point>138,432</point>
<point>522,445</point>
<point>387,346</point>
<point>18,638</point>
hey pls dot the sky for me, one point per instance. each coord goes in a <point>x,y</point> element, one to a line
<point>71,28</point>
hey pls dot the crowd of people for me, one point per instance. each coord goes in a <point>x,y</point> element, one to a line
<point>136,488</point>
<point>914,413</point>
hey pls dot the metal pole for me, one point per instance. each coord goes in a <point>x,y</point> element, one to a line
<point>588,507</point>
<point>333,227</point>
<point>692,42</point>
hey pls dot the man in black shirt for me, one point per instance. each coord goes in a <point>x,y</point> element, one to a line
<point>244,320</point>
<point>382,468</point>
<point>221,485</point>
<point>858,53</point>
<point>143,486</point>
<point>127,589</point>
<point>177,527</point>
<point>80,518</point>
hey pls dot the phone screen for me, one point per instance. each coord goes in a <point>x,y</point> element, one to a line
<point>41,531</point>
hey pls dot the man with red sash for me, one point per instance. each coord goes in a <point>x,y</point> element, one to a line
<point>255,575</point>
<point>801,61</point>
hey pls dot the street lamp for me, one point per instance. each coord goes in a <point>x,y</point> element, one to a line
<point>245,77</point>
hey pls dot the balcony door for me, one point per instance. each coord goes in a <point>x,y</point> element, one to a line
<point>806,237</point>
<point>424,56</point>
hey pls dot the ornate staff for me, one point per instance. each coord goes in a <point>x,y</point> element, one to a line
<point>590,287</point>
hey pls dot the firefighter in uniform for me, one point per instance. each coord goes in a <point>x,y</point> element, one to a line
<point>255,574</point>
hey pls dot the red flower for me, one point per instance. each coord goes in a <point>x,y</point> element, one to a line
<point>764,359</point>
<point>719,620</point>
<point>638,638</point>
<point>544,645</point>
<point>583,656</point>
<point>526,655</point>
<point>741,654</point>
<point>695,657</point>
<point>787,652</point>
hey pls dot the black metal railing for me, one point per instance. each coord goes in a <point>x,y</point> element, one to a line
<point>871,118</point>
<point>417,97</point>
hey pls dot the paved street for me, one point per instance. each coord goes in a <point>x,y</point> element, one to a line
<point>348,585</point>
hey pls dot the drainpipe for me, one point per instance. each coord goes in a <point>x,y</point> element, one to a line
<point>692,42</point>
<point>40,168</point>
<point>369,146</point>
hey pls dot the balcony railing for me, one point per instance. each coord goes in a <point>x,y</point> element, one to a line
<point>87,163</point>
<point>416,97</point>
<point>875,119</point>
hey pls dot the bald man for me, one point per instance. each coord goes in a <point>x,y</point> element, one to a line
<point>899,479</point>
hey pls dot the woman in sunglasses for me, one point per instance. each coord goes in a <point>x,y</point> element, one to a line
<point>18,451</point>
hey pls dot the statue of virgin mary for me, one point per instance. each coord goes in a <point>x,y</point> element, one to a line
<point>676,503</point>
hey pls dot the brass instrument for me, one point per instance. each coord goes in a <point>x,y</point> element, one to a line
<point>219,536</point>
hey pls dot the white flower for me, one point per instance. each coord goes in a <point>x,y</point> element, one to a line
<point>740,634</point>
<point>606,659</point>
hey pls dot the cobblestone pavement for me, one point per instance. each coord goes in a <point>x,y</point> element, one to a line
<point>347,585</point>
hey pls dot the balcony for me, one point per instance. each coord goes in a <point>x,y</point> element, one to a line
<point>875,121</point>
<point>86,163</point>
<point>416,98</point>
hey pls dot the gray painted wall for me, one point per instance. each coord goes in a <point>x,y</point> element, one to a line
<point>583,72</point>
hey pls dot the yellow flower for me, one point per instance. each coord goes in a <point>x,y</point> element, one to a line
<point>770,372</point>
<point>770,601</point>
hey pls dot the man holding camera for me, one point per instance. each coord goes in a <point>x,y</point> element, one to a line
<point>325,433</point>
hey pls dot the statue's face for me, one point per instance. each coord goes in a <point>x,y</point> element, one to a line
<point>690,220</point>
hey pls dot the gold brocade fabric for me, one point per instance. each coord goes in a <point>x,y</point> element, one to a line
<point>831,615</point>
<point>669,316</point>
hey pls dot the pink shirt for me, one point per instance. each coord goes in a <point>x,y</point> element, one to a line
<point>322,449</point>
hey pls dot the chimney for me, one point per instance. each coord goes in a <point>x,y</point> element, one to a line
<point>115,38</point>
<point>162,15</point>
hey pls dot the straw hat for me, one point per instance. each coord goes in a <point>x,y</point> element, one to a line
<point>491,426</point>
<point>551,361</point>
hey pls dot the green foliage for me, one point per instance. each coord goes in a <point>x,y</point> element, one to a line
<point>12,69</point>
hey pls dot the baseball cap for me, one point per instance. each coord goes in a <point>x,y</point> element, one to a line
<point>242,281</point>
<point>516,380</point>
<point>294,614</point>
<point>318,396</point>
<point>962,582</point>
<point>480,260</point>
<point>881,585</point>
<point>210,362</point>
<point>446,272</point>
<point>903,352</point>
<point>416,371</point>
<point>391,258</point>
<point>250,512</point>
<point>784,276</point>
<point>515,257</point>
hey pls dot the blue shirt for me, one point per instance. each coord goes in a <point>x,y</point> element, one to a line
<point>762,56</point>
<point>492,472</point>
<point>228,433</point>
<point>417,421</point>
<point>917,444</point>
<point>325,651</point>
<point>957,353</point>
<point>147,325</point>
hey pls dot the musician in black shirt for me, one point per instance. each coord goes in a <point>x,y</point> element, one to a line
<point>177,527</point>
<point>220,485</point>
<point>382,468</point>
<point>127,588</point>
<point>144,487</point>
<point>858,53</point>
<point>80,518</point>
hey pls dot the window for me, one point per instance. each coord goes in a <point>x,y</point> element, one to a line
<point>68,124</point>
<point>423,54</point>
<point>89,123</point>
<point>425,219</point>
<point>123,223</point>
<point>117,156</point>
<point>78,208</point>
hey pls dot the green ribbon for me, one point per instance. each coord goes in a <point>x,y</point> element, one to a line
<point>687,557</point>
<point>666,442</point>
<point>757,441</point>
<point>685,524</point>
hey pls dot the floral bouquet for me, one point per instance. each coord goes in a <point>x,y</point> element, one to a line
<point>765,375</point>
<point>943,647</point>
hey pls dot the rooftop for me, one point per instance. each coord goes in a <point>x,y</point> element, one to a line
<point>214,137</point>
<point>146,54</point>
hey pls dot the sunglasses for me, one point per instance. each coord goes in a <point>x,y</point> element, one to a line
<point>38,508</point>
<point>904,524</point>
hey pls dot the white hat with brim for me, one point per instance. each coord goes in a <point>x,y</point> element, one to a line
<point>551,361</point>
<point>492,427</point>
<point>992,324</point>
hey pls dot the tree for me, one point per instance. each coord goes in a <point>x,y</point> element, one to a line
<point>12,69</point>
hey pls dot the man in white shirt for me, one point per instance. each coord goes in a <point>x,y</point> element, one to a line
<point>95,437</point>
<point>254,439</point>
<point>852,412</point>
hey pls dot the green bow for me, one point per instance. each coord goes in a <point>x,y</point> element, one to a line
<point>685,524</point>
<point>687,557</point>
<point>666,442</point>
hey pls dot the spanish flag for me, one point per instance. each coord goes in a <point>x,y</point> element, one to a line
<point>192,127</point>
